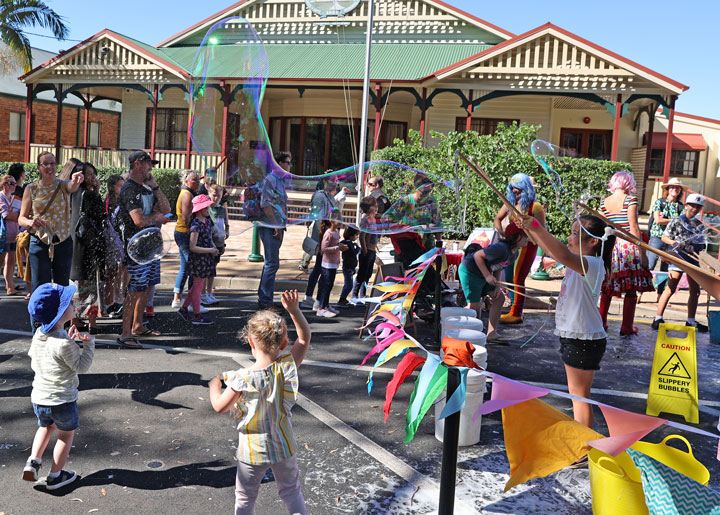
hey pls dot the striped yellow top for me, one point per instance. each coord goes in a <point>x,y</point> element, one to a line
<point>263,411</point>
<point>180,225</point>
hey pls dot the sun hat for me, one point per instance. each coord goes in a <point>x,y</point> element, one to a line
<point>200,202</point>
<point>674,182</point>
<point>48,303</point>
<point>695,198</point>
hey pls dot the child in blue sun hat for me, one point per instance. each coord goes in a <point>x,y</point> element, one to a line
<point>56,360</point>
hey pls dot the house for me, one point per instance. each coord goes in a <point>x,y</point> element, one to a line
<point>97,127</point>
<point>434,67</point>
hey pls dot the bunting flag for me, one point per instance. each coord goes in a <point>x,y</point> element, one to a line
<point>406,367</point>
<point>430,383</point>
<point>540,440</point>
<point>668,492</point>
<point>456,402</point>
<point>625,429</point>
<point>506,393</point>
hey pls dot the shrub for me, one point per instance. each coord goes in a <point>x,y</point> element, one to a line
<point>500,156</point>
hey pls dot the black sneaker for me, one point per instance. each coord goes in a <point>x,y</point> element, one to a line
<point>656,324</point>
<point>64,478</point>
<point>30,472</point>
<point>701,328</point>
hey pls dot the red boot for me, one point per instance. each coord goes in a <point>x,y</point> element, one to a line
<point>605,300</point>
<point>627,328</point>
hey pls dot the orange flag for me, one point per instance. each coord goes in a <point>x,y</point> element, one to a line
<point>540,440</point>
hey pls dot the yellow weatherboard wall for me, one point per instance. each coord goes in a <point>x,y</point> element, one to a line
<point>673,383</point>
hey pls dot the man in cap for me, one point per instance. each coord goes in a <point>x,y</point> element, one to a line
<point>141,205</point>
<point>685,236</point>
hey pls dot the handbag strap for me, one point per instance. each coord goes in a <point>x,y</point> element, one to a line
<point>82,197</point>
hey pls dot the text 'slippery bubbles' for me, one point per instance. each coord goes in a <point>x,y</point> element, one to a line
<point>148,245</point>
<point>230,71</point>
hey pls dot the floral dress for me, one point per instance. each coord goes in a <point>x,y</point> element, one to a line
<point>202,265</point>
<point>627,273</point>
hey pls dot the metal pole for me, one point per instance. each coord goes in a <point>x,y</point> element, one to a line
<point>451,434</point>
<point>364,119</point>
<point>255,256</point>
<point>438,295</point>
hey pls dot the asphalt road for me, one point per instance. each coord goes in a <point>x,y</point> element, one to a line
<point>149,441</point>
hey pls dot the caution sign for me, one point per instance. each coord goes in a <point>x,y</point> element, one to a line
<point>673,384</point>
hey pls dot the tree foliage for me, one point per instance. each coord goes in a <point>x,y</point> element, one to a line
<point>17,15</point>
<point>500,156</point>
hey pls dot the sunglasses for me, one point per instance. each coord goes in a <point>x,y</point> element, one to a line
<point>10,183</point>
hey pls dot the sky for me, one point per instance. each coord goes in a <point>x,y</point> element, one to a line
<point>672,38</point>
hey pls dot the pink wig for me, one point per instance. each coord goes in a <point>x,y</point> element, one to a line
<point>622,181</point>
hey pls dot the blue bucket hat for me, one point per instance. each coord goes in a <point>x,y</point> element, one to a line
<point>48,304</point>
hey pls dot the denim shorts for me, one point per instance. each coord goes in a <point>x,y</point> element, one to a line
<point>65,416</point>
<point>582,354</point>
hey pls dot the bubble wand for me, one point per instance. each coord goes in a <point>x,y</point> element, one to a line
<point>487,181</point>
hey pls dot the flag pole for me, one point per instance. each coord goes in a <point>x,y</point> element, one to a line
<point>364,119</point>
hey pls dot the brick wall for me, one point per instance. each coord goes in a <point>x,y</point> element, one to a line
<point>44,124</point>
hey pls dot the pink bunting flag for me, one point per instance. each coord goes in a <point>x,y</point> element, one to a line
<point>625,428</point>
<point>506,393</point>
<point>382,343</point>
<point>406,366</point>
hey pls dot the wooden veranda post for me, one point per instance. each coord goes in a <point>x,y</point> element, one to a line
<point>378,109</point>
<point>28,121</point>
<point>58,126</point>
<point>422,113</point>
<point>86,124</point>
<point>153,124</point>
<point>668,140</point>
<point>468,119</point>
<point>616,128</point>
<point>648,143</point>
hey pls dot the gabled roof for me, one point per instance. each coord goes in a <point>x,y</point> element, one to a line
<point>207,22</point>
<point>506,47</point>
<point>146,52</point>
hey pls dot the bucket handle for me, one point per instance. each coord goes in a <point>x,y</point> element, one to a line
<point>613,465</point>
<point>678,437</point>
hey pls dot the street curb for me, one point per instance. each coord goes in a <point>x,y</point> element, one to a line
<point>222,282</point>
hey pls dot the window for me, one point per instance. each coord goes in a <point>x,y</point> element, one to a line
<point>318,144</point>
<point>684,163</point>
<point>170,130</point>
<point>481,125</point>
<point>94,134</point>
<point>590,143</point>
<point>17,126</point>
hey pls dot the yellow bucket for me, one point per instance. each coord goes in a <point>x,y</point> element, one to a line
<point>616,484</point>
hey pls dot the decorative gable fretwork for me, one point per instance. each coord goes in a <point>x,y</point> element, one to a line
<point>102,61</point>
<point>551,63</point>
<point>396,21</point>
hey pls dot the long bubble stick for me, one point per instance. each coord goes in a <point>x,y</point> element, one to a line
<point>620,232</point>
<point>503,283</point>
<point>487,180</point>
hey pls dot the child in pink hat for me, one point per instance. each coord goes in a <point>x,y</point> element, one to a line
<point>201,264</point>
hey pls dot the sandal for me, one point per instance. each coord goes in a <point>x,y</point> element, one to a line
<point>130,342</point>
<point>13,293</point>
<point>27,297</point>
<point>148,332</point>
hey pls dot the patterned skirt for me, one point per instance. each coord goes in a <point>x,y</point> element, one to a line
<point>628,274</point>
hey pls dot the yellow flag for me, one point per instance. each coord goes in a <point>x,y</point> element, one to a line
<point>540,440</point>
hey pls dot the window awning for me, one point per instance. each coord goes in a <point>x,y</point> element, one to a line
<point>679,141</point>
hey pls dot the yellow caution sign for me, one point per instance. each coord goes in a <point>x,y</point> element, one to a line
<point>673,384</point>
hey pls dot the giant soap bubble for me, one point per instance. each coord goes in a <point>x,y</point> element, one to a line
<point>148,245</point>
<point>230,72</point>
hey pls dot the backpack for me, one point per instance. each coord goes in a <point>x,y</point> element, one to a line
<point>3,235</point>
<point>251,202</point>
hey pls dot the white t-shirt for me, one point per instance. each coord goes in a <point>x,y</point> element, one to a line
<point>577,315</point>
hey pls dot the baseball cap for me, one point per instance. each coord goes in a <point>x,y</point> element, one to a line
<point>695,198</point>
<point>141,155</point>
<point>48,303</point>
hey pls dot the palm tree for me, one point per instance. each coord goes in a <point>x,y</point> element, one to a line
<point>15,15</point>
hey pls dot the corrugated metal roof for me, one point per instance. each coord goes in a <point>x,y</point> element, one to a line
<point>406,61</point>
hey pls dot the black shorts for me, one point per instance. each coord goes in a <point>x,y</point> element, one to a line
<point>582,354</point>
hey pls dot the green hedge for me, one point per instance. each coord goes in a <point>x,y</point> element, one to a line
<point>500,155</point>
<point>168,180</point>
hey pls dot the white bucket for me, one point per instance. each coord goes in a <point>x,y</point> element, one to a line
<point>474,395</point>
<point>477,338</point>
<point>462,322</point>
<point>456,312</point>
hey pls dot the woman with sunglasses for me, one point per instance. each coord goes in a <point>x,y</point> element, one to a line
<point>9,210</point>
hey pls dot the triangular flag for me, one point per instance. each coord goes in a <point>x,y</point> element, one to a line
<point>506,393</point>
<point>540,440</point>
<point>456,402</point>
<point>406,366</point>
<point>429,385</point>
<point>625,428</point>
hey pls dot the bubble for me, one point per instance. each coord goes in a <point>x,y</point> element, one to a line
<point>148,245</point>
<point>230,73</point>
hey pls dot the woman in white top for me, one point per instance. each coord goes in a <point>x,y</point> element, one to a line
<point>577,319</point>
